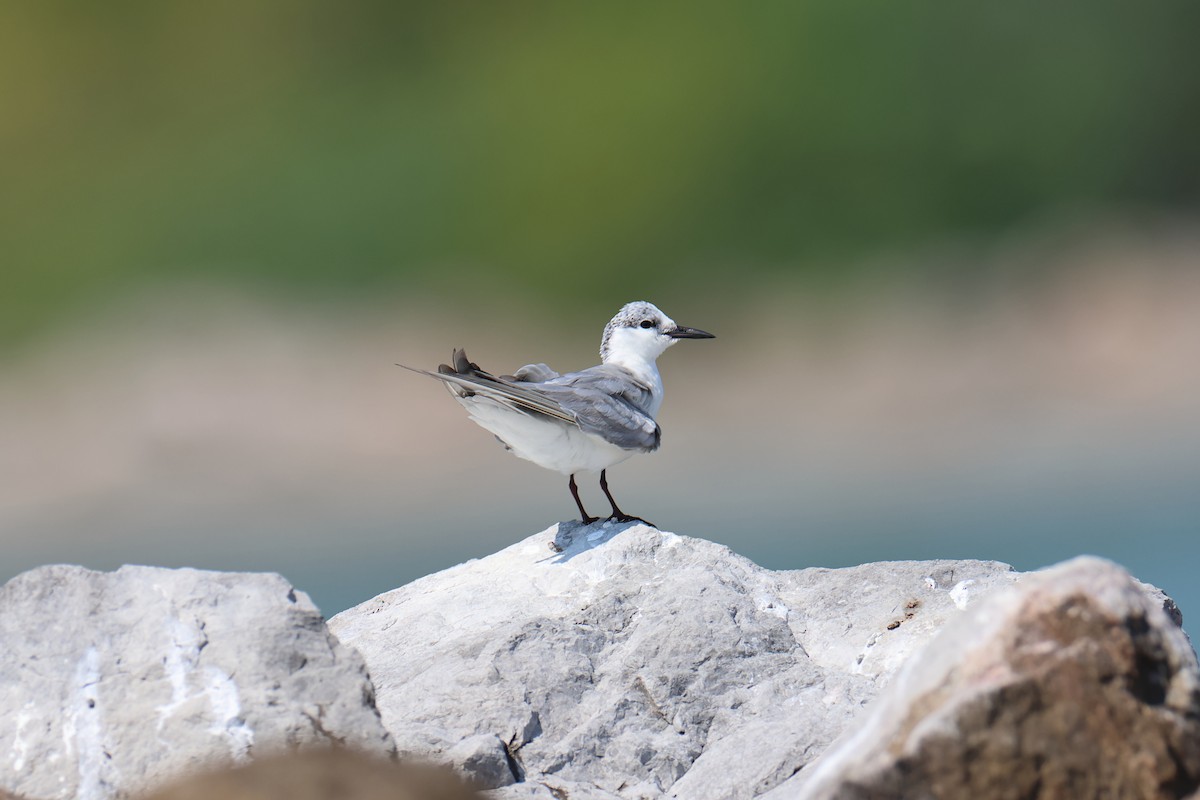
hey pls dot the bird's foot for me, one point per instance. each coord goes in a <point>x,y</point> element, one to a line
<point>622,517</point>
<point>588,520</point>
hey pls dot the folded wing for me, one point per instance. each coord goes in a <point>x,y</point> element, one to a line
<point>605,401</point>
<point>609,402</point>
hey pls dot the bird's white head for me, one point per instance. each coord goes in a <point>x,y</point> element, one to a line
<point>639,334</point>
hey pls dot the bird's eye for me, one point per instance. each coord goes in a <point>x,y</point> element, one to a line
<point>647,323</point>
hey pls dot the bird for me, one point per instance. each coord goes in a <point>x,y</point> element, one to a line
<point>584,421</point>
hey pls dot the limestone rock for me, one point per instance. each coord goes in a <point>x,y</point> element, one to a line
<point>616,663</point>
<point>628,662</point>
<point>1075,684</point>
<point>113,682</point>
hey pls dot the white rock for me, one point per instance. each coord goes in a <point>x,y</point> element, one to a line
<point>113,682</point>
<point>614,663</point>
<point>653,664</point>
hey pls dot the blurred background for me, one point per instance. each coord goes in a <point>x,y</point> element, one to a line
<point>951,252</point>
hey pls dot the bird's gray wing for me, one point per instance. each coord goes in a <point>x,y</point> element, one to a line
<point>465,379</point>
<point>606,401</point>
<point>609,402</point>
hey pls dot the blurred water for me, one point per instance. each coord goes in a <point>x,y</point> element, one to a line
<point>206,427</point>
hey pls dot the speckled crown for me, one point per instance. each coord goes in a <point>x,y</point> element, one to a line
<point>630,316</point>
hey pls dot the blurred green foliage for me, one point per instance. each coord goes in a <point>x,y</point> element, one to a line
<point>453,147</point>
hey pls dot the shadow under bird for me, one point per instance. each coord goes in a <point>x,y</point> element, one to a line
<point>580,421</point>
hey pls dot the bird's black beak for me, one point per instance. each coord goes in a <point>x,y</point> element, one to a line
<point>684,332</point>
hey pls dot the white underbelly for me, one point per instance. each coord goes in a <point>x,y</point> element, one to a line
<point>553,445</point>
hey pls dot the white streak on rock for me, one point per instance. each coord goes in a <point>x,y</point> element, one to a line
<point>960,594</point>
<point>20,747</point>
<point>226,705</point>
<point>83,730</point>
<point>183,654</point>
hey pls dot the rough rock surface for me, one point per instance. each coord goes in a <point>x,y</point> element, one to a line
<point>635,663</point>
<point>112,682</point>
<point>1074,684</point>
<point>616,662</point>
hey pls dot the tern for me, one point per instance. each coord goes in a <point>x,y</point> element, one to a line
<point>581,421</point>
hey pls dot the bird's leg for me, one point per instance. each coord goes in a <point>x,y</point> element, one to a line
<point>582,513</point>
<point>617,514</point>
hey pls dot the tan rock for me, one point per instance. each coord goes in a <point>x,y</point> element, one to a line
<point>1075,684</point>
<point>323,774</point>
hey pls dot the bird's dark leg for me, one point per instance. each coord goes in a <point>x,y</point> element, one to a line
<point>617,514</point>
<point>582,513</point>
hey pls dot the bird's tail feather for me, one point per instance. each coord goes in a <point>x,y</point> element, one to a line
<point>467,379</point>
